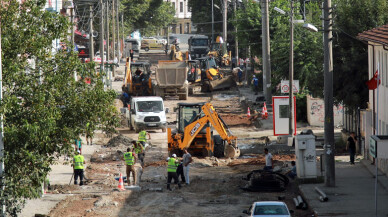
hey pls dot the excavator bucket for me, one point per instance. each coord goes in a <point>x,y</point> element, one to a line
<point>225,82</point>
<point>231,151</point>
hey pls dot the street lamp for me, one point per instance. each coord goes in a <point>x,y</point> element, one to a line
<point>212,22</point>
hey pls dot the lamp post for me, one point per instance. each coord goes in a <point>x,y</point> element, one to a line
<point>291,70</point>
<point>212,22</point>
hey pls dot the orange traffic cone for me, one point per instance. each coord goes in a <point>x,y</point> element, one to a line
<point>264,113</point>
<point>121,183</point>
<point>249,113</point>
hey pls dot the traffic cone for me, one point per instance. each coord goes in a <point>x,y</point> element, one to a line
<point>121,183</point>
<point>249,113</point>
<point>264,113</point>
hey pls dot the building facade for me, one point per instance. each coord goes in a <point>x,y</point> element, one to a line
<point>375,118</point>
<point>183,15</point>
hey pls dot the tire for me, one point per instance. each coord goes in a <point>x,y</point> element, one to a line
<point>185,95</point>
<point>219,146</point>
<point>147,49</point>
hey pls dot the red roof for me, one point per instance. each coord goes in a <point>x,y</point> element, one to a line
<point>378,35</point>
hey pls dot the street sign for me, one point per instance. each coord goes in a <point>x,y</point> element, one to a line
<point>378,146</point>
<point>372,147</point>
<point>285,86</point>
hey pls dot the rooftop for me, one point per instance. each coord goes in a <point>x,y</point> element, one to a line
<point>378,35</point>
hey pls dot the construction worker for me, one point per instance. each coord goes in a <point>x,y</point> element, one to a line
<point>171,171</point>
<point>139,150</point>
<point>130,160</point>
<point>78,165</point>
<point>255,82</point>
<point>89,134</point>
<point>143,137</point>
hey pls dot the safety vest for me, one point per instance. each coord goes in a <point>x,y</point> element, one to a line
<point>129,158</point>
<point>142,136</point>
<point>172,165</point>
<point>138,149</point>
<point>78,162</point>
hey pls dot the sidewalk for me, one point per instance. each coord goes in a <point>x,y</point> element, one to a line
<point>353,195</point>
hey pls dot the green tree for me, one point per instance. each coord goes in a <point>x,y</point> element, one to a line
<point>350,56</point>
<point>149,16</point>
<point>44,107</point>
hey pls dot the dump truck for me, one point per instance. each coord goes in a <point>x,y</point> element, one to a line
<point>171,79</point>
<point>138,80</point>
<point>198,46</point>
<point>195,124</point>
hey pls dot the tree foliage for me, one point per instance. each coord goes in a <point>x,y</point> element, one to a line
<point>149,16</point>
<point>44,107</point>
<point>350,55</point>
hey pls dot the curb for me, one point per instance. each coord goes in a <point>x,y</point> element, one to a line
<point>382,178</point>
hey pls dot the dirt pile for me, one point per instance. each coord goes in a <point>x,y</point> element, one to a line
<point>236,120</point>
<point>117,140</point>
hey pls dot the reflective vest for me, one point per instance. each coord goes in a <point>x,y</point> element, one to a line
<point>172,165</point>
<point>79,162</point>
<point>142,136</point>
<point>138,149</point>
<point>129,158</point>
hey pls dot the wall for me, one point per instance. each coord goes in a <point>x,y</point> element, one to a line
<point>316,112</point>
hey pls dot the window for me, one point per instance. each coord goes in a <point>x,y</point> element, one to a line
<point>284,111</point>
<point>149,106</point>
<point>181,7</point>
<point>180,29</point>
<point>187,28</point>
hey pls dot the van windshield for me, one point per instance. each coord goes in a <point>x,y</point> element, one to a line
<point>149,106</point>
<point>199,42</point>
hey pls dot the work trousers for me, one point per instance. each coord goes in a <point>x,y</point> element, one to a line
<point>186,172</point>
<point>352,152</point>
<point>170,176</point>
<point>141,157</point>
<point>180,172</point>
<point>131,169</point>
<point>79,173</point>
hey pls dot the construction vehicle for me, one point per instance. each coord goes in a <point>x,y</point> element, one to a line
<point>133,44</point>
<point>137,80</point>
<point>198,46</point>
<point>171,79</point>
<point>194,71</point>
<point>211,78</point>
<point>220,52</point>
<point>195,122</point>
<point>175,53</point>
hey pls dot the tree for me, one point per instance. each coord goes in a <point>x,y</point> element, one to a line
<point>148,16</point>
<point>43,106</point>
<point>350,56</point>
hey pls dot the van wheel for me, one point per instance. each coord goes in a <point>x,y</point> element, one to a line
<point>146,49</point>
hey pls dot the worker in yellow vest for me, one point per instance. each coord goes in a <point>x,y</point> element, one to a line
<point>130,160</point>
<point>172,166</point>
<point>78,165</point>
<point>143,137</point>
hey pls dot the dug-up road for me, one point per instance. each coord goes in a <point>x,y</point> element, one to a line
<point>215,188</point>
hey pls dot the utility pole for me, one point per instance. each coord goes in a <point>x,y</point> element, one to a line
<point>291,71</point>
<point>72,25</point>
<point>212,22</point>
<point>113,35</point>
<point>224,21</point>
<point>107,31</point>
<point>118,31</point>
<point>102,37</point>
<point>91,41</point>
<point>122,29</point>
<point>266,52</point>
<point>328,96</point>
<point>2,149</point>
<point>235,30</point>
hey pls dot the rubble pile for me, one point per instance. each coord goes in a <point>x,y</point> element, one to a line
<point>120,139</point>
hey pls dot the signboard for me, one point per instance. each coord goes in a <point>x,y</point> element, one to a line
<point>285,86</point>
<point>83,52</point>
<point>372,147</point>
<point>280,105</point>
<point>378,146</point>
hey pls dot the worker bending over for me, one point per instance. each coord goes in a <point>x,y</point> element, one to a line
<point>143,137</point>
<point>171,171</point>
<point>139,150</point>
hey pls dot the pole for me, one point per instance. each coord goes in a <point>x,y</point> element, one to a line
<point>72,26</point>
<point>224,21</point>
<point>102,37</point>
<point>118,31</point>
<point>377,133</point>
<point>291,70</point>
<point>212,22</point>
<point>91,41</point>
<point>107,32</point>
<point>328,98</point>
<point>235,30</point>
<point>2,165</point>
<point>122,29</point>
<point>113,36</point>
<point>266,52</point>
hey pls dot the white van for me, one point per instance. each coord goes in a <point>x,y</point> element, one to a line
<point>147,112</point>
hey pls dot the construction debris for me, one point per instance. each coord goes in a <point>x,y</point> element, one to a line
<point>120,139</point>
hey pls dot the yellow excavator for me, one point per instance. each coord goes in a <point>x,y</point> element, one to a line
<point>194,132</point>
<point>175,53</point>
<point>219,51</point>
<point>137,78</point>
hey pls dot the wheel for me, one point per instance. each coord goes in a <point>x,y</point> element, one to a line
<point>185,95</point>
<point>147,49</point>
<point>205,87</point>
<point>219,146</point>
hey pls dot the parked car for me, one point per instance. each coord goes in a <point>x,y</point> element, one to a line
<point>268,209</point>
<point>151,44</point>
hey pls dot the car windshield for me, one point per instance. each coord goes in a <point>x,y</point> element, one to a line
<point>270,210</point>
<point>199,42</point>
<point>149,106</point>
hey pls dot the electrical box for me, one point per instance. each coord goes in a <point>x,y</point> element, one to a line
<point>306,166</point>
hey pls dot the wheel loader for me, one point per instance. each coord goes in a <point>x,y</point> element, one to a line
<point>195,125</point>
<point>138,80</point>
<point>219,51</point>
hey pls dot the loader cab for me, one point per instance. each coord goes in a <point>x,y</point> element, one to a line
<point>187,113</point>
<point>194,71</point>
<point>141,82</point>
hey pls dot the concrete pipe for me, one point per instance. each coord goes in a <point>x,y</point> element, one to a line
<point>296,202</point>
<point>300,200</point>
<point>325,198</point>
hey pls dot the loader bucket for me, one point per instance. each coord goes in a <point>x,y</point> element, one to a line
<point>231,152</point>
<point>222,83</point>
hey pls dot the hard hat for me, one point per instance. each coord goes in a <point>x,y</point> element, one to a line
<point>168,158</point>
<point>174,155</point>
<point>79,151</point>
<point>254,76</point>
